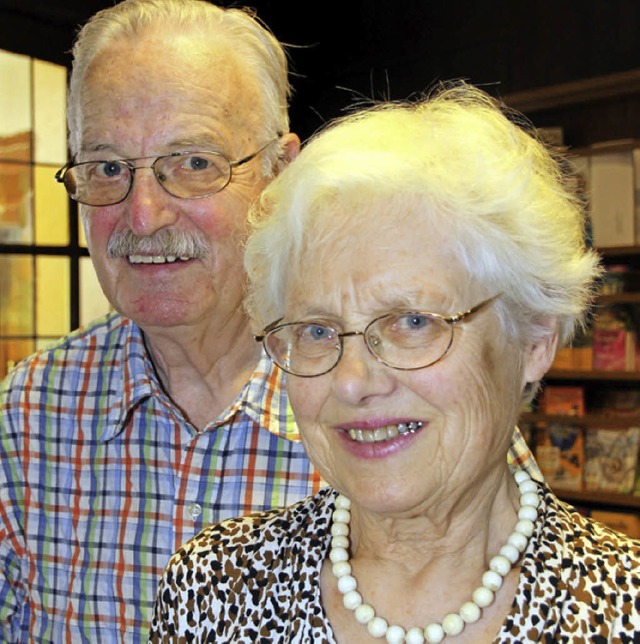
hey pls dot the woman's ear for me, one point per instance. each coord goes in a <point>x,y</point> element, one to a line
<point>541,353</point>
<point>290,149</point>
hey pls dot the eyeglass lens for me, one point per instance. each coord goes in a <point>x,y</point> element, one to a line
<point>102,183</point>
<point>403,341</point>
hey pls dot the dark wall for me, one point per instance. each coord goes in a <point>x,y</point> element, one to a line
<point>348,50</point>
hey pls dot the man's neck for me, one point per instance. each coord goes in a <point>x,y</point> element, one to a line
<point>202,376</point>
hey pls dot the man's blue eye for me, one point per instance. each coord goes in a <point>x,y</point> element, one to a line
<point>110,169</point>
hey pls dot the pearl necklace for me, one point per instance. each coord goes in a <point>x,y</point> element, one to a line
<point>469,612</point>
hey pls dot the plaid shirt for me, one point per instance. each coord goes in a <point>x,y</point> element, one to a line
<point>102,478</point>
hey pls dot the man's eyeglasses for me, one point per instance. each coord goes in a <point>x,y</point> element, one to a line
<point>407,340</point>
<point>188,175</point>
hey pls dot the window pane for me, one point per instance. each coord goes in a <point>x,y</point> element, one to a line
<point>52,296</point>
<point>15,203</point>
<point>15,106</point>
<point>12,351</point>
<point>49,99</point>
<point>93,303</point>
<point>16,295</point>
<point>51,208</point>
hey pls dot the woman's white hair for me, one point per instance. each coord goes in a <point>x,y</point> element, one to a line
<point>468,167</point>
<point>250,38</point>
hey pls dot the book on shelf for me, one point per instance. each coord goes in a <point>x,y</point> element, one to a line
<point>560,455</point>
<point>611,459</point>
<point>614,340</point>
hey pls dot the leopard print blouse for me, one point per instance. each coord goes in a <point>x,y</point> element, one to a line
<point>256,579</point>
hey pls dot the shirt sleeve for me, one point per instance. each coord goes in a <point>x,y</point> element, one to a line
<point>13,593</point>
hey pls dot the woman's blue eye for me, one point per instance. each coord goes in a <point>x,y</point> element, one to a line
<point>414,321</point>
<point>316,333</point>
<point>196,163</point>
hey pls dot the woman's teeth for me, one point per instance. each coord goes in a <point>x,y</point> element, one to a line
<point>384,433</point>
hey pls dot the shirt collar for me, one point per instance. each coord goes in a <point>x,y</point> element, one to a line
<point>133,379</point>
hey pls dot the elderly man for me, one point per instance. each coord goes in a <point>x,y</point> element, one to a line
<point>124,439</point>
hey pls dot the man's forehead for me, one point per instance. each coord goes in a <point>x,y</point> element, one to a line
<point>202,91</point>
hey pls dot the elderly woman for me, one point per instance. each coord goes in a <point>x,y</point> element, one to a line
<point>413,272</point>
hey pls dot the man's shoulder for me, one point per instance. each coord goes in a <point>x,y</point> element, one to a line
<point>81,350</point>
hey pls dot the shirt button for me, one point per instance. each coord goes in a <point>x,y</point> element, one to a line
<point>196,510</point>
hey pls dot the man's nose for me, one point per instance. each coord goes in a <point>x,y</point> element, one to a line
<point>148,206</point>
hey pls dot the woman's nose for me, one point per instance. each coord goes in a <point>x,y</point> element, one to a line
<point>359,375</point>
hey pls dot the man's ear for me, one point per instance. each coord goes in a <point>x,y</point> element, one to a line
<point>290,149</point>
<point>541,353</point>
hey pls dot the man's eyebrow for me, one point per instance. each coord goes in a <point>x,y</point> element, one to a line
<point>197,143</point>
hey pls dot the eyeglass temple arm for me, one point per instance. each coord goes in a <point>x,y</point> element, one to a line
<point>265,332</point>
<point>474,309</point>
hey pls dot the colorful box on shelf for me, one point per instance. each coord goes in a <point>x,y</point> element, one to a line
<point>562,400</point>
<point>614,350</point>
<point>574,359</point>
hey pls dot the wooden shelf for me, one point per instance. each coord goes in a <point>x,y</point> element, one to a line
<point>627,501</point>
<point>614,252</point>
<point>619,298</point>
<point>571,374</point>
<point>601,421</point>
<point>589,90</point>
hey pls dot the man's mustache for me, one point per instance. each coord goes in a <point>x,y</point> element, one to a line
<point>164,242</point>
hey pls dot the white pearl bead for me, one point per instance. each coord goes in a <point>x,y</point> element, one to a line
<point>434,633</point>
<point>528,486</point>
<point>364,613</point>
<point>395,634</point>
<point>341,568</point>
<point>530,498</point>
<point>414,635</point>
<point>483,596</point>
<point>527,512</point>
<point>338,554</point>
<point>347,583</point>
<point>518,540</point>
<point>340,542</point>
<point>339,529</point>
<point>492,580</point>
<point>525,527</point>
<point>500,564</point>
<point>340,515</point>
<point>520,476</point>
<point>352,599</point>
<point>377,627</point>
<point>470,612</point>
<point>343,502</point>
<point>510,552</point>
<point>452,624</point>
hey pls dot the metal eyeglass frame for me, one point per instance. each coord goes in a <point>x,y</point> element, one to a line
<point>451,320</point>
<point>129,163</point>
